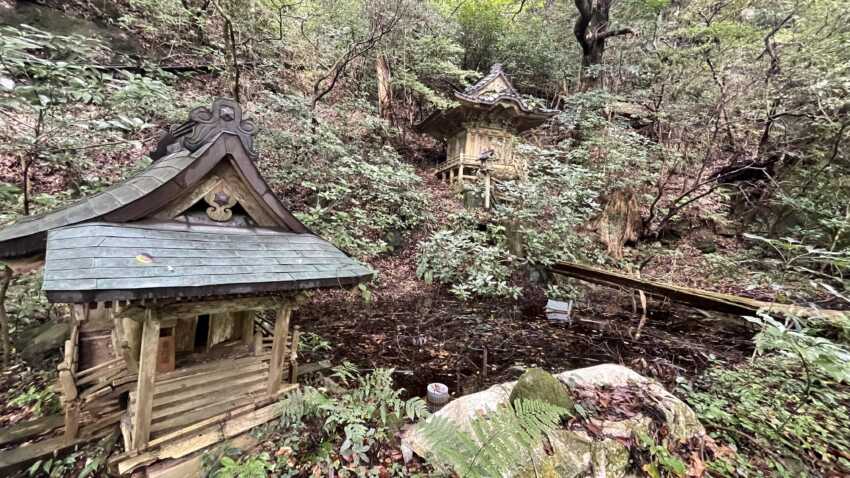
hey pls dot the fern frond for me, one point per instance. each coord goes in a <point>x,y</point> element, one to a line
<point>500,443</point>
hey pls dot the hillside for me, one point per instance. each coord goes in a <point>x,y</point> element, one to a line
<point>693,143</point>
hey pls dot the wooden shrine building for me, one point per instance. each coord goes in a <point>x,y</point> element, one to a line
<point>488,117</point>
<point>182,280</point>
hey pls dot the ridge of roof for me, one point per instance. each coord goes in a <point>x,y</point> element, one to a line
<point>496,71</point>
<point>183,157</point>
<point>204,125</point>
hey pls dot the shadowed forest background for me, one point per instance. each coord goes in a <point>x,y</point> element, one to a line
<point>698,143</point>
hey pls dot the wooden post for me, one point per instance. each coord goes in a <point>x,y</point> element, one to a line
<point>451,176</point>
<point>133,335</point>
<point>145,384</point>
<point>72,421</point>
<point>258,343</point>
<point>486,189</point>
<point>460,172</point>
<point>247,319</point>
<point>281,330</point>
<point>293,358</point>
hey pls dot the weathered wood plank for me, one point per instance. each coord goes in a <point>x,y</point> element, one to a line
<point>281,330</point>
<point>221,306</point>
<point>215,366</point>
<point>30,429</point>
<point>207,377</point>
<point>145,386</point>
<point>202,412</point>
<point>202,438</point>
<point>702,299</point>
<point>198,401</point>
<point>232,385</point>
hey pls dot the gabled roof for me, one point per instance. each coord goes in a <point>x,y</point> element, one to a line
<point>171,231</point>
<point>496,76</point>
<point>99,261</point>
<point>185,156</point>
<point>494,93</point>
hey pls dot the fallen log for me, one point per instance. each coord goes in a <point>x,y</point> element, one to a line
<point>698,298</point>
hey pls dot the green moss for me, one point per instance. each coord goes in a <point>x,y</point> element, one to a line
<point>537,384</point>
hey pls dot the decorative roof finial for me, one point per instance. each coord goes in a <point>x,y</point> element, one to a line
<point>205,125</point>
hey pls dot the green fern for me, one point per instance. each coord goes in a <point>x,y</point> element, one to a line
<point>500,443</point>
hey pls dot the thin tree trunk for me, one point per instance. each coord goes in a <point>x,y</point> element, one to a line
<point>5,342</point>
<point>385,91</point>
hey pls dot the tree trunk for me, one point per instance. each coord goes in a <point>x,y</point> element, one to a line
<point>385,91</point>
<point>591,32</point>
<point>5,342</point>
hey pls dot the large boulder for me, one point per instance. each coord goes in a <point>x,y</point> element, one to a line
<point>538,384</point>
<point>573,453</point>
<point>37,343</point>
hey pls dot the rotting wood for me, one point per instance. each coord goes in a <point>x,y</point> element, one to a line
<point>206,378</point>
<point>202,412</point>
<point>72,421</point>
<point>203,399</point>
<point>293,359</point>
<point>99,366</point>
<point>19,457</point>
<point>178,448</point>
<point>701,299</point>
<point>193,464</point>
<point>209,391</point>
<point>145,383</point>
<point>207,368</point>
<point>281,330</point>
<point>221,306</point>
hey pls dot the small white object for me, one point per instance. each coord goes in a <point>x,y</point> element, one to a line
<point>438,394</point>
<point>559,311</point>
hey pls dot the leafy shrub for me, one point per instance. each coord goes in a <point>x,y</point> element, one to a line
<point>533,223</point>
<point>473,262</point>
<point>349,189</point>
<point>40,401</point>
<point>364,416</point>
<point>793,401</point>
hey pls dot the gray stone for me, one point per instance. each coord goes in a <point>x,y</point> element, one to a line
<point>575,453</point>
<point>37,343</point>
<point>705,241</point>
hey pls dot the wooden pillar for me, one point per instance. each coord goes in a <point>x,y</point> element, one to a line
<point>460,173</point>
<point>133,336</point>
<point>72,421</point>
<point>145,385</point>
<point>281,330</point>
<point>293,358</point>
<point>247,323</point>
<point>451,176</point>
<point>486,189</point>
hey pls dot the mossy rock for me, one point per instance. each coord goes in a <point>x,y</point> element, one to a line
<point>537,384</point>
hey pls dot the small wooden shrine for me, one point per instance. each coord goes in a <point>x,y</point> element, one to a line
<point>182,282</point>
<point>489,116</point>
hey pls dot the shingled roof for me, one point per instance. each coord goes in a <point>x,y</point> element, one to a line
<point>492,93</point>
<point>104,261</point>
<point>199,221</point>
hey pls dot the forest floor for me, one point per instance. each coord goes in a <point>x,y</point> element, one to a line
<point>427,335</point>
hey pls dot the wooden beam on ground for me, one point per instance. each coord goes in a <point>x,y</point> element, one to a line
<point>699,298</point>
<point>145,383</point>
<point>18,458</point>
<point>281,330</point>
<point>30,429</point>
